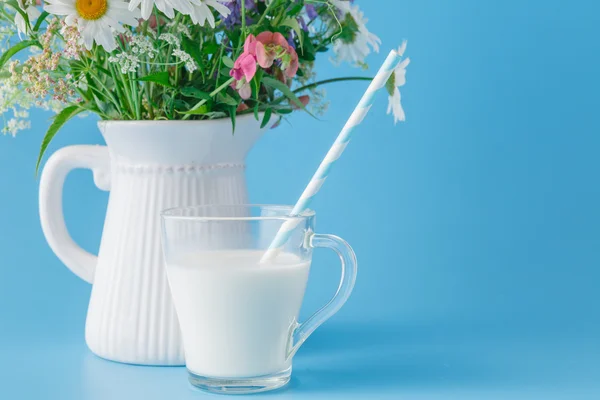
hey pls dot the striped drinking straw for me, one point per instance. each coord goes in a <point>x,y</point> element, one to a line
<point>334,153</point>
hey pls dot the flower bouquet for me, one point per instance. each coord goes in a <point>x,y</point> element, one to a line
<point>175,59</point>
<point>169,79</point>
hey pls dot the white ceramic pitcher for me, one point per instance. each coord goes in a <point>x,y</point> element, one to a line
<point>148,166</point>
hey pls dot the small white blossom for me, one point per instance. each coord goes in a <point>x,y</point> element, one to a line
<point>170,39</point>
<point>190,65</point>
<point>184,57</point>
<point>142,45</point>
<point>14,125</point>
<point>73,42</point>
<point>127,62</point>
<point>180,28</point>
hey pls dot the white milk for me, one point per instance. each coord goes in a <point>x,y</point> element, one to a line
<point>237,316</point>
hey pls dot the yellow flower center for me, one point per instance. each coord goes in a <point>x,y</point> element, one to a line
<point>91,9</point>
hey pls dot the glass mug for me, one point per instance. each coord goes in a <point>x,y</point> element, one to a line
<point>238,316</point>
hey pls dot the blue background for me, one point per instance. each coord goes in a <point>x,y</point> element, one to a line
<point>476,223</point>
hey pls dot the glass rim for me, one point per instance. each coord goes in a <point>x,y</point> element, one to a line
<point>169,213</point>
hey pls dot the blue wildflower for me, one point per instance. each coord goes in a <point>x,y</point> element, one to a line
<point>311,11</point>
<point>235,18</point>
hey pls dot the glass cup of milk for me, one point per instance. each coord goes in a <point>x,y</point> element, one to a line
<point>239,316</point>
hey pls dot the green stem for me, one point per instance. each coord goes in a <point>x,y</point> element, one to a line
<point>157,15</point>
<point>211,94</point>
<point>128,94</point>
<point>108,93</point>
<point>146,89</point>
<point>243,37</point>
<point>217,63</point>
<point>135,96</point>
<point>262,17</point>
<point>122,108</point>
<point>323,82</point>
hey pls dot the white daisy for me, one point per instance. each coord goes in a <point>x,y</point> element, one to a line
<point>32,12</point>
<point>397,80</point>
<point>355,42</point>
<point>202,13</point>
<point>96,20</point>
<point>167,7</point>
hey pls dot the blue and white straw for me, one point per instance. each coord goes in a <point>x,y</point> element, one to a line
<point>334,153</point>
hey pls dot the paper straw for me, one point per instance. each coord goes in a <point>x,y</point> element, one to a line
<point>334,153</point>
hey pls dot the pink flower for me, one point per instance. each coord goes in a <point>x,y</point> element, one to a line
<point>245,91</point>
<point>243,88</point>
<point>245,65</point>
<point>270,46</point>
<point>250,45</point>
<point>291,67</point>
<point>263,49</point>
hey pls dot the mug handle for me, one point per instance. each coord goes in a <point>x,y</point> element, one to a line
<point>348,278</point>
<point>96,158</point>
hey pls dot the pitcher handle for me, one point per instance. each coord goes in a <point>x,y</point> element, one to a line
<point>348,278</point>
<point>52,180</point>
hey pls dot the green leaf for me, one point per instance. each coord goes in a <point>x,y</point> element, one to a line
<point>40,20</point>
<point>226,99</point>
<point>106,108</point>
<point>283,111</point>
<point>307,51</point>
<point>197,111</point>
<point>76,65</point>
<point>306,55</point>
<point>59,120</point>
<point>215,114</point>
<point>256,110</point>
<point>181,104</point>
<point>225,72</point>
<point>256,83</point>
<point>232,111</point>
<point>293,23</point>
<point>283,88</point>
<point>102,106</point>
<point>266,117</point>
<point>202,110</point>
<point>162,78</point>
<point>193,50</point>
<point>210,47</point>
<point>191,91</point>
<point>295,8</point>
<point>17,48</point>
<point>390,84</point>
<point>228,62</point>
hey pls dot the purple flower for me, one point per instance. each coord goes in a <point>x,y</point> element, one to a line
<point>311,11</point>
<point>290,39</point>
<point>302,23</point>
<point>235,18</point>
